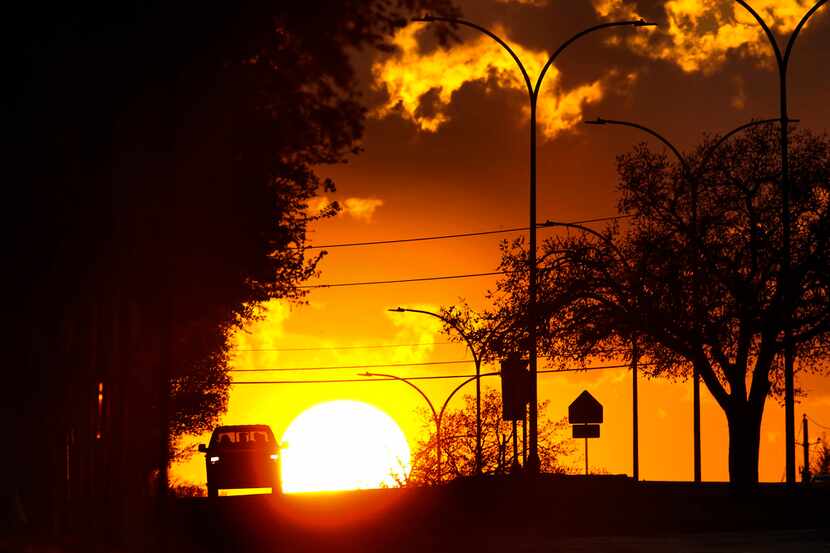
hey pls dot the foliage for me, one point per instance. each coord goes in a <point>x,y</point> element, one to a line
<point>696,275</point>
<point>821,464</point>
<point>458,429</point>
<point>164,155</point>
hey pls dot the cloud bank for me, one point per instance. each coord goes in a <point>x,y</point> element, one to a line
<point>420,85</point>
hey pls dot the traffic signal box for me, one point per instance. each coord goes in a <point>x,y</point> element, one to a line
<point>515,388</point>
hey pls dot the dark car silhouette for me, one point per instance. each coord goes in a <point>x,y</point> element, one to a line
<point>242,456</point>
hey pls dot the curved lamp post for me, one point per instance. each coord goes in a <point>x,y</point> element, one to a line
<point>691,177</point>
<point>635,350</point>
<point>533,95</point>
<point>783,62</point>
<point>437,416</point>
<point>477,354</point>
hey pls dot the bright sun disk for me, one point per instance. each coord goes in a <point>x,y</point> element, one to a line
<point>343,445</point>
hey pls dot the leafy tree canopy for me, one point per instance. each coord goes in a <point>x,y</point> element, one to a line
<point>458,442</point>
<point>696,274</point>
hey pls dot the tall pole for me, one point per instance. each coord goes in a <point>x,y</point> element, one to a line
<point>696,422</point>
<point>692,178</point>
<point>785,283</point>
<point>477,354</point>
<point>533,464</point>
<point>437,416</point>
<point>635,424</point>
<point>805,442</point>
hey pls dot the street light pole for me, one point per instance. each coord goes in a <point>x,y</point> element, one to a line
<point>477,354</point>
<point>533,95</point>
<point>782,62</point>
<point>692,178</point>
<point>435,417</point>
<point>438,416</point>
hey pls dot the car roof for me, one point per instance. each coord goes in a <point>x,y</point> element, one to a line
<point>240,427</point>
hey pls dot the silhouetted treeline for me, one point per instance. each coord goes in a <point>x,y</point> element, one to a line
<point>160,157</point>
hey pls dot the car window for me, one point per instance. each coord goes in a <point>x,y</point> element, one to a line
<point>242,439</point>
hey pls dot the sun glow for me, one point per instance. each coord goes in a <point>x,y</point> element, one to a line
<point>343,445</point>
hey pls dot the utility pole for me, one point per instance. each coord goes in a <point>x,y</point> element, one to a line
<point>782,60</point>
<point>635,425</point>
<point>533,463</point>
<point>805,442</point>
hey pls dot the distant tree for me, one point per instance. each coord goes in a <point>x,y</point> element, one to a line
<point>458,442</point>
<point>708,293</point>
<point>821,465</point>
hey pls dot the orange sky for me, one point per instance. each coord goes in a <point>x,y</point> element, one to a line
<point>446,152</point>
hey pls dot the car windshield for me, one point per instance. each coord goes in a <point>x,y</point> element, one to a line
<point>241,438</point>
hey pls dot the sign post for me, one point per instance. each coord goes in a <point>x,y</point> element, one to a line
<point>585,414</point>
<point>515,395</point>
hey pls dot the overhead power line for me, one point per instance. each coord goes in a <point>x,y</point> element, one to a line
<point>401,281</point>
<point>330,348</point>
<point>814,421</point>
<point>418,364</point>
<point>460,235</point>
<point>422,377</point>
<point>338,367</point>
<point>344,380</point>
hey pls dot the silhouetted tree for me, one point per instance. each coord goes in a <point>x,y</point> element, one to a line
<point>163,156</point>
<point>821,465</point>
<point>700,290</point>
<point>458,442</point>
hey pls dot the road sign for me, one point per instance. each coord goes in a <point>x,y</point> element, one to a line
<point>515,388</point>
<point>585,409</point>
<point>585,431</point>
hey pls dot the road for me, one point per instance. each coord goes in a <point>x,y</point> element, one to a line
<point>604,515</point>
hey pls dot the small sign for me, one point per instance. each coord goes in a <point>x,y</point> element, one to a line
<point>515,388</point>
<point>585,431</point>
<point>585,409</point>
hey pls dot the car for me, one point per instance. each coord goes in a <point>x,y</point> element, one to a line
<point>242,456</point>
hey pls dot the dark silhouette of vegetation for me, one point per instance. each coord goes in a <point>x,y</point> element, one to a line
<point>458,442</point>
<point>821,464</point>
<point>700,291</point>
<point>163,157</point>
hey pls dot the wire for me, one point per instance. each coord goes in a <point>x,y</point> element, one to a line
<point>352,367</point>
<point>420,364</point>
<point>814,421</point>
<point>461,235</point>
<point>344,380</point>
<point>434,377</point>
<point>603,367</point>
<point>418,239</point>
<point>401,281</point>
<point>329,348</point>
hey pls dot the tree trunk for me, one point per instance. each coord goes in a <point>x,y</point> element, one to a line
<point>744,423</point>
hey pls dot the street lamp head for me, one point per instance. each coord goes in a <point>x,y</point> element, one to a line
<point>597,121</point>
<point>397,309</point>
<point>644,23</point>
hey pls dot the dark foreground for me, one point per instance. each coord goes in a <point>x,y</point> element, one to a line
<point>549,514</point>
<point>601,514</point>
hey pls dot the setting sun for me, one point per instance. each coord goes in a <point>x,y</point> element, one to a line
<point>343,445</point>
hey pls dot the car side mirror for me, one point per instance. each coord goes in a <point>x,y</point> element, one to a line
<point>202,448</point>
